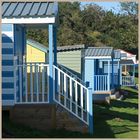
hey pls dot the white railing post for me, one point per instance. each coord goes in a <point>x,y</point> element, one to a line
<point>31,82</point>
<point>26,84</point>
<point>81,102</point>
<point>76,96</point>
<point>36,73</point>
<point>21,80</point>
<point>65,90</point>
<point>71,94</point>
<point>43,83</point>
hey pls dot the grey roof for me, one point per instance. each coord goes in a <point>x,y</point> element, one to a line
<point>98,51</point>
<point>126,62</point>
<point>117,54</point>
<point>28,9</point>
<point>123,54</point>
<point>44,48</point>
<point>70,48</point>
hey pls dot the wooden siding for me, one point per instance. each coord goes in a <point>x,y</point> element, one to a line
<point>13,43</point>
<point>34,55</point>
<point>71,60</point>
<point>7,64</point>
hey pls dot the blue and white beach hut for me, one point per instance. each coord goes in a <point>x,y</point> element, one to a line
<point>47,84</point>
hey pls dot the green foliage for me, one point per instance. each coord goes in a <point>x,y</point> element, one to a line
<point>91,25</point>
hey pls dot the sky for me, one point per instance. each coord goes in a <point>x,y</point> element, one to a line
<point>106,5</point>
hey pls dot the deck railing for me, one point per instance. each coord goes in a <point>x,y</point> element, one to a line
<point>32,81</point>
<point>71,94</point>
<point>101,83</point>
<point>71,74</point>
<point>128,81</point>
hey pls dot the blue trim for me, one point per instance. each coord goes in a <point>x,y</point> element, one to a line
<point>7,62</point>
<point>112,74</point>
<point>50,63</point>
<point>90,111</point>
<point>7,85</point>
<point>7,74</point>
<point>7,96</point>
<point>7,50</point>
<point>7,27</point>
<point>55,44</point>
<point>14,28</point>
<point>6,39</point>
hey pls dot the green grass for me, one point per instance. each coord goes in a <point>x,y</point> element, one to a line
<point>117,120</point>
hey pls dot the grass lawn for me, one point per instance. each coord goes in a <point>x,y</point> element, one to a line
<point>117,120</point>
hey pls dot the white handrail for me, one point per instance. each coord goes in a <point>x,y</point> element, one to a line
<point>71,74</point>
<point>36,79</point>
<point>75,95</point>
<point>128,81</point>
<point>101,82</point>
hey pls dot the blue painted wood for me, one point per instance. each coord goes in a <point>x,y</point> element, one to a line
<point>7,50</point>
<point>108,75</point>
<point>55,56</point>
<point>112,76</point>
<point>55,44</point>
<point>89,72</point>
<point>7,85</point>
<point>7,74</point>
<point>7,27</point>
<point>50,63</point>
<point>6,39</point>
<point>7,62</point>
<point>7,96</point>
<point>90,111</point>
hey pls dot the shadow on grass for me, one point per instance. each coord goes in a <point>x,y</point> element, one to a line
<point>102,129</point>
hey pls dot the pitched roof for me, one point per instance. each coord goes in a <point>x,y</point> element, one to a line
<point>44,48</point>
<point>126,62</point>
<point>99,52</point>
<point>70,48</point>
<point>37,45</point>
<point>117,54</point>
<point>27,9</point>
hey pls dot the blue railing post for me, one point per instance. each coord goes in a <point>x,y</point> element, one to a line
<point>108,76</point>
<point>50,63</point>
<point>112,76</point>
<point>90,111</point>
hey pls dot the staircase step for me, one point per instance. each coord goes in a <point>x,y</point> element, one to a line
<point>68,121</point>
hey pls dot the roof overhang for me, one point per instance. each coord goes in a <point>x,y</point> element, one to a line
<point>126,62</point>
<point>30,20</point>
<point>29,13</point>
<point>98,57</point>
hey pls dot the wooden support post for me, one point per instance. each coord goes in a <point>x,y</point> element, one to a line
<point>55,57</point>
<point>51,63</point>
<point>90,110</point>
<point>108,75</point>
<point>112,75</point>
<point>120,74</point>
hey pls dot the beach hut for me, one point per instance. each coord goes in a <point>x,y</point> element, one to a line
<point>99,71</point>
<point>49,85</point>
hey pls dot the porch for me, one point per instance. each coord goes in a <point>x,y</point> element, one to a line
<point>128,72</point>
<point>102,69</point>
